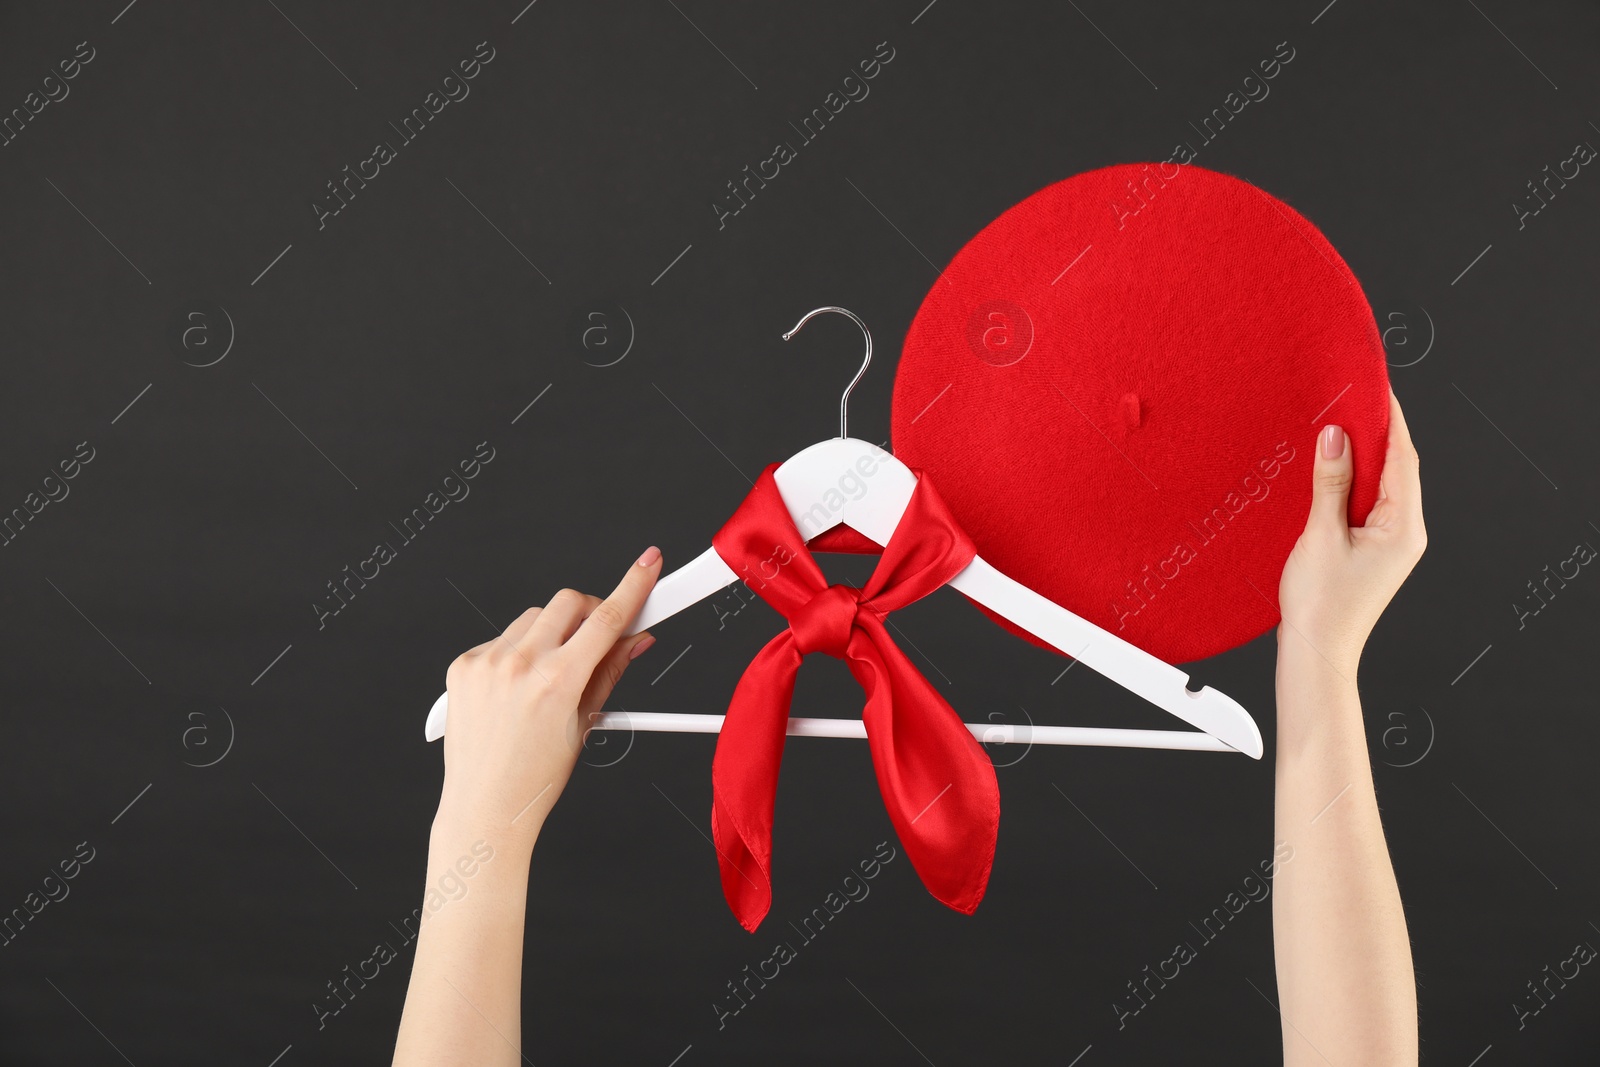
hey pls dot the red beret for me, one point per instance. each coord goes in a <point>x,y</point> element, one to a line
<point>1117,388</point>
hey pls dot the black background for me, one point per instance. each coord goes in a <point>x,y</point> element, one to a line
<point>149,603</point>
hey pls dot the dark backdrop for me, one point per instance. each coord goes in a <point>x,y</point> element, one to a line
<point>160,618</point>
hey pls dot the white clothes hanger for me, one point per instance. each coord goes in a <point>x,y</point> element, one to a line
<point>809,483</point>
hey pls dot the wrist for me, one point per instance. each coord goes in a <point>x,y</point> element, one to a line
<point>1324,663</point>
<point>1319,705</point>
<point>460,820</point>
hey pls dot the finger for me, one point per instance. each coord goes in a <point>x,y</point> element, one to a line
<point>563,615</point>
<point>1330,482</point>
<point>520,624</point>
<point>611,618</point>
<point>1401,483</point>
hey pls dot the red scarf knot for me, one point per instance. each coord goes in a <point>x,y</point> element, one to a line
<point>826,621</point>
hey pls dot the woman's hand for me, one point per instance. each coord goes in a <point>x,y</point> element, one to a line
<point>521,704</point>
<point>1339,578</point>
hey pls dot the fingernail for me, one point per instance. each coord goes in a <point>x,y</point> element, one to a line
<point>1332,442</point>
<point>638,650</point>
<point>649,556</point>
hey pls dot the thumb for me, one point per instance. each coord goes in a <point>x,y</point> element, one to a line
<point>1330,482</point>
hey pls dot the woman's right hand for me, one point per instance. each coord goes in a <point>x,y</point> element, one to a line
<point>521,704</point>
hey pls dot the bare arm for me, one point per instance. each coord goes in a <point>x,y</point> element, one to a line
<point>1347,993</point>
<point>518,708</point>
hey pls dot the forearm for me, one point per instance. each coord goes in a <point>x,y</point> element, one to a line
<point>464,1004</point>
<point>1345,982</point>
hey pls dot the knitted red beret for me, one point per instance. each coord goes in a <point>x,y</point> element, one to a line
<point>1117,387</point>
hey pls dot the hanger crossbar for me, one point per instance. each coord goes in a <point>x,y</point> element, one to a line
<point>987,733</point>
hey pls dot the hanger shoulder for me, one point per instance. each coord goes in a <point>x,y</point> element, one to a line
<point>1129,666</point>
<point>691,583</point>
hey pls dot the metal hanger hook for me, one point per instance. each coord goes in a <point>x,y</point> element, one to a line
<point>844,401</point>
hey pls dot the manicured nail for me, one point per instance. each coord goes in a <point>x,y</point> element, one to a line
<point>638,650</point>
<point>649,556</point>
<point>1332,442</point>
